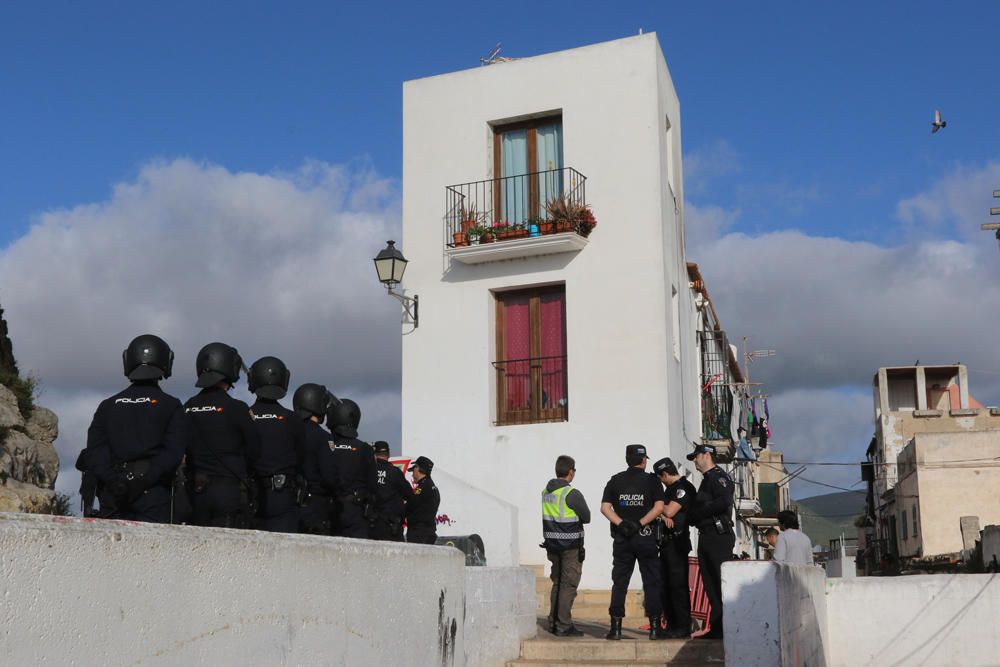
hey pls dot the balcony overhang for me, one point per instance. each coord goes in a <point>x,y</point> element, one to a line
<point>748,507</point>
<point>530,246</point>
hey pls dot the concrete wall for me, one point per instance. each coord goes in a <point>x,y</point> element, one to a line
<point>928,620</point>
<point>617,287</point>
<point>475,511</point>
<point>802,615</point>
<point>88,592</point>
<point>499,613</point>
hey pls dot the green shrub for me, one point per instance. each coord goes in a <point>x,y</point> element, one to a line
<point>24,389</point>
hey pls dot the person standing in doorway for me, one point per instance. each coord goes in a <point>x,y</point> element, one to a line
<point>564,512</point>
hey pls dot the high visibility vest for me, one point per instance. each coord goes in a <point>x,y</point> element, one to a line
<point>561,527</point>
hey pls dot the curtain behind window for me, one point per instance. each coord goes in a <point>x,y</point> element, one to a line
<point>550,164</point>
<point>514,190</point>
<point>552,340</point>
<point>517,349</point>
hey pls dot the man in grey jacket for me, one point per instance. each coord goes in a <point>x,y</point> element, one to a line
<point>564,511</point>
<point>793,546</point>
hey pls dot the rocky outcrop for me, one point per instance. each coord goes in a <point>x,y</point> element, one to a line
<point>29,464</point>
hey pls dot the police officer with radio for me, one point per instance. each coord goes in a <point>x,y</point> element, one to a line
<point>280,445</point>
<point>317,486</point>
<point>355,467</point>
<point>711,514</point>
<point>136,440</point>
<point>632,501</point>
<point>675,546</point>
<point>226,445</point>
<point>392,491</point>
<point>422,508</point>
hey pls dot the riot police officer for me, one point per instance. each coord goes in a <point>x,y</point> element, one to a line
<point>632,501</point>
<point>422,508</point>
<point>317,488</point>
<point>711,514</point>
<point>355,468</point>
<point>678,494</point>
<point>392,491</point>
<point>226,446</point>
<point>280,443</point>
<point>136,440</point>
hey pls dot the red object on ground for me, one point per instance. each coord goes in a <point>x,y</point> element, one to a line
<point>700,608</point>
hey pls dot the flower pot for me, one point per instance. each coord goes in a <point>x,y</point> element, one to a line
<point>459,239</point>
<point>486,238</point>
<point>563,226</point>
<point>547,227</point>
<point>468,225</point>
<point>504,236</point>
<point>519,234</point>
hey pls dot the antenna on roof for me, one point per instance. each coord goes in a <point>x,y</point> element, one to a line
<point>494,57</point>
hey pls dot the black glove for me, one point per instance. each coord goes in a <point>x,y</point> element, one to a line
<point>628,528</point>
<point>128,486</point>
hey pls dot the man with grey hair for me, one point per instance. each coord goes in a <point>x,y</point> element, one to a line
<point>564,511</point>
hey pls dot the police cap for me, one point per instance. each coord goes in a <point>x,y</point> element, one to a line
<point>665,465</point>
<point>381,447</point>
<point>424,463</point>
<point>701,449</point>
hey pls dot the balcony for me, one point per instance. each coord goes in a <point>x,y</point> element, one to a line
<point>522,382</point>
<point>746,496</point>
<point>716,398</point>
<point>515,216</point>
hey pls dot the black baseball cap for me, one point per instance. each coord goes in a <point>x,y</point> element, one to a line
<point>635,451</point>
<point>424,463</point>
<point>665,464</point>
<point>381,447</point>
<point>701,449</point>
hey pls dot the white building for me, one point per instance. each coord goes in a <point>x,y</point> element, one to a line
<point>600,328</point>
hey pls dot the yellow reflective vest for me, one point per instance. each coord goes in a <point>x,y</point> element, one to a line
<point>561,527</point>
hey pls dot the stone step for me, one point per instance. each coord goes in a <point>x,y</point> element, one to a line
<point>592,604</point>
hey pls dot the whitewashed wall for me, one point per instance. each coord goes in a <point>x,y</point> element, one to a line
<point>624,381</point>
<point>88,592</point>
<point>499,613</point>
<point>473,510</point>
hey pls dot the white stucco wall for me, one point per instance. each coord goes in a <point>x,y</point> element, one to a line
<point>88,592</point>
<point>624,382</point>
<point>750,614</point>
<point>499,613</point>
<point>931,620</point>
<point>473,510</point>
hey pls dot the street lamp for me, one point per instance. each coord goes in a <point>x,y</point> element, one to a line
<point>390,266</point>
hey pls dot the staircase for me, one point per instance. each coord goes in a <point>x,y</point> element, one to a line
<point>590,614</point>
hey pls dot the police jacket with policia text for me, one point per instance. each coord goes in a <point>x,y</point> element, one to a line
<point>421,510</point>
<point>280,439</point>
<point>632,493</point>
<point>225,442</point>
<point>140,423</point>
<point>318,466</point>
<point>714,500</point>
<point>391,490</point>
<point>564,511</point>
<point>355,461</point>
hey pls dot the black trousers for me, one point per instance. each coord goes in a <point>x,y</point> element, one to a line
<point>221,504</point>
<point>386,528</point>
<point>316,517</point>
<point>153,506</point>
<point>675,592</point>
<point>714,550</point>
<point>350,520</point>
<point>278,511</point>
<point>624,555</point>
<point>421,535</point>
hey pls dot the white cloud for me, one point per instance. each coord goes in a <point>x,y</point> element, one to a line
<point>705,164</point>
<point>270,263</point>
<point>956,203</point>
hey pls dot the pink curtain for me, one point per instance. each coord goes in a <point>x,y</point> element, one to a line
<point>517,349</point>
<point>552,331</point>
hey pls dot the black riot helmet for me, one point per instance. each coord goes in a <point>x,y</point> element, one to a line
<point>268,378</point>
<point>217,362</point>
<point>311,399</point>
<point>343,417</point>
<point>148,357</point>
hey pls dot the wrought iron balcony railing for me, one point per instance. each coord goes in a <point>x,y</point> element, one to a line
<point>510,207</point>
<point>531,390</point>
<point>716,398</point>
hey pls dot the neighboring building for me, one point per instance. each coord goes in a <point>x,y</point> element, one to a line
<point>533,341</point>
<point>913,401</point>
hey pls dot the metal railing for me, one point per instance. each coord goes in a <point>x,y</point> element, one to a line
<point>531,390</point>
<point>716,399</point>
<point>499,209</point>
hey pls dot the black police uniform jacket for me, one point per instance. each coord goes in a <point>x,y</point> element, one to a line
<point>281,437</point>
<point>141,423</point>
<point>391,490</point>
<point>422,509</point>
<point>683,493</point>
<point>713,500</point>
<point>225,442</point>
<point>355,460</point>
<point>632,493</point>
<point>318,465</point>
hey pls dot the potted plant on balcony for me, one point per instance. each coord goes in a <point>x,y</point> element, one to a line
<point>519,231</point>
<point>470,218</point>
<point>485,234</point>
<point>459,239</point>
<point>503,230</point>
<point>563,212</point>
<point>586,222</point>
<point>546,227</point>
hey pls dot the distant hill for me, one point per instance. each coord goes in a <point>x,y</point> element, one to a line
<point>826,517</point>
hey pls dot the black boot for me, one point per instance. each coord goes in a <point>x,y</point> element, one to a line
<point>656,630</point>
<point>616,628</point>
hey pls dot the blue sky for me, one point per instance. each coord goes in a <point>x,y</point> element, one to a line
<point>828,221</point>
<point>825,110</point>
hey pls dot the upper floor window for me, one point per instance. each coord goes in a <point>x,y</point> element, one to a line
<point>527,162</point>
<point>531,355</point>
